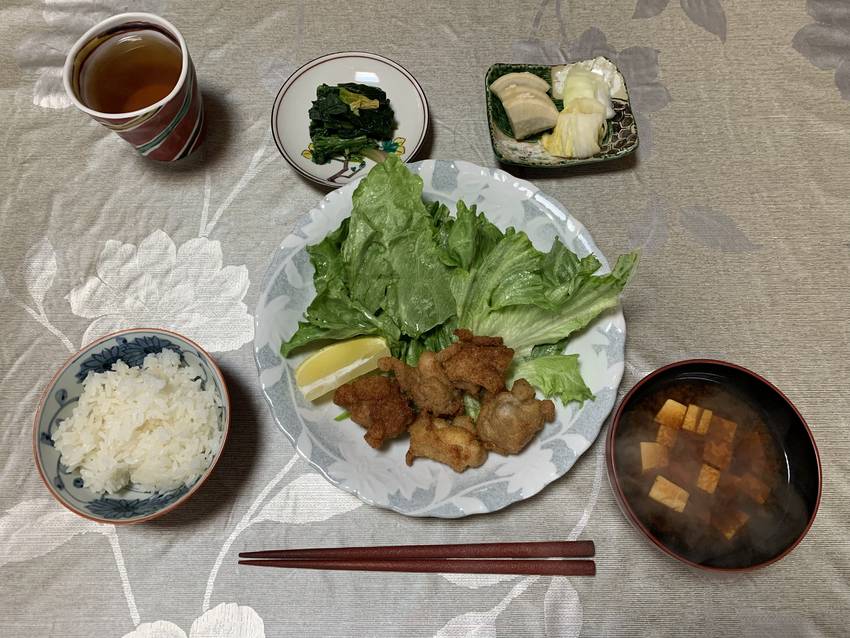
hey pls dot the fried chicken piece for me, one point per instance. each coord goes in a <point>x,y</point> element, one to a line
<point>509,420</point>
<point>475,362</point>
<point>465,422</point>
<point>441,441</point>
<point>376,403</point>
<point>427,384</point>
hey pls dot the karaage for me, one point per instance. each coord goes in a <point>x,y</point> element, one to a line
<point>509,420</point>
<point>376,403</point>
<point>472,363</point>
<point>441,441</point>
<point>426,384</point>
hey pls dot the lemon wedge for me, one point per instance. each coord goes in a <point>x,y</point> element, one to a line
<point>337,364</point>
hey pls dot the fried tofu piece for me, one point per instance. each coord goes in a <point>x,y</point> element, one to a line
<point>667,436</point>
<point>704,421</point>
<point>708,478</point>
<point>692,415</point>
<point>472,363</point>
<point>717,453</point>
<point>376,403</point>
<point>653,456</point>
<point>426,384</point>
<point>671,414</point>
<point>718,443</point>
<point>669,494</point>
<point>729,522</point>
<point>509,420</point>
<point>722,429</point>
<point>437,439</point>
<point>754,487</point>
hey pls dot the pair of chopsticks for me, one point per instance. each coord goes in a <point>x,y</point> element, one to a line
<point>480,558</point>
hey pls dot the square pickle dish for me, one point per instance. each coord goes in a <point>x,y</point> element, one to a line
<point>620,138</point>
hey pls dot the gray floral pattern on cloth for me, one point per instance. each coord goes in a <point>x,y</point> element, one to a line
<point>708,14</point>
<point>639,65</point>
<point>649,228</point>
<point>769,176</point>
<point>826,42</point>
<point>186,289</point>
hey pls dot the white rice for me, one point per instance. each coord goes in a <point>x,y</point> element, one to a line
<point>152,427</point>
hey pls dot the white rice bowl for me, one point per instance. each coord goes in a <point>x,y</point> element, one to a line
<point>152,427</point>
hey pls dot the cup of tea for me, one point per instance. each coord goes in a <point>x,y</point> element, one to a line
<point>133,74</point>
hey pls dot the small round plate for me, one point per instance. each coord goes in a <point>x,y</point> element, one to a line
<point>429,488</point>
<point>291,122</point>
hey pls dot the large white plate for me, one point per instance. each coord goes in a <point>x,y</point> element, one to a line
<point>428,488</point>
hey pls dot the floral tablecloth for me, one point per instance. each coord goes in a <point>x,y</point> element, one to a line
<point>738,198</point>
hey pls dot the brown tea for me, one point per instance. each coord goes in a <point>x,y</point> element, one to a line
<point>130,70</point>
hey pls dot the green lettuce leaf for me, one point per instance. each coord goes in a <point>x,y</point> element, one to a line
<point>524,326</point>
<point>392,261</point>
<point>334,315</point>
<point>555,375</point>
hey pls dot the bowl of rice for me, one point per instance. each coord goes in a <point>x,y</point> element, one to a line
<point>131,426</point>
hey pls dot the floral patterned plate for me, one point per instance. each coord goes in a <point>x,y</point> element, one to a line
<point>63,392</point>
<point>428,488</point>
<point>620,139</point>
<point>290,119</point>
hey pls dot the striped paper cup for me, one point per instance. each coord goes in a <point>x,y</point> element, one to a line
<point>167,130</point>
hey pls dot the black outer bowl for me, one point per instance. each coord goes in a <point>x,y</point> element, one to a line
<point>790,431</point>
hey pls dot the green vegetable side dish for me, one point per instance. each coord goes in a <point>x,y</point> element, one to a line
<point>412,272</point>
<point>349,121</point>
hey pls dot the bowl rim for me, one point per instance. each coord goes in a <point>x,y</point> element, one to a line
<point>203,478</point>
<point>614,479</point>
<point>426,112</point>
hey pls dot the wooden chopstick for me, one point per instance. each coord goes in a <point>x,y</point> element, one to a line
<point>543,549</point>
<point>522,567</point>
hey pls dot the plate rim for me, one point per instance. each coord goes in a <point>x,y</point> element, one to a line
<point>297,73</point>
<point>261,302</point>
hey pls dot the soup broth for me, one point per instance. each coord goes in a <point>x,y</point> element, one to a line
<point>702,471</point>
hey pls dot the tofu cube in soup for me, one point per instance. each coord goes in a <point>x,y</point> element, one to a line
<point>653,456</point>
<point>704,421</point>
<point>754,487</point>
<point>708,478</point>
<point>729,522</point>
<point>667,436</point>
<point>718,454</point>
<point>671,414</point>
<point>722,429</point>
<point>691,420</point>
<point>669,494</point>
<point>718,443</point>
